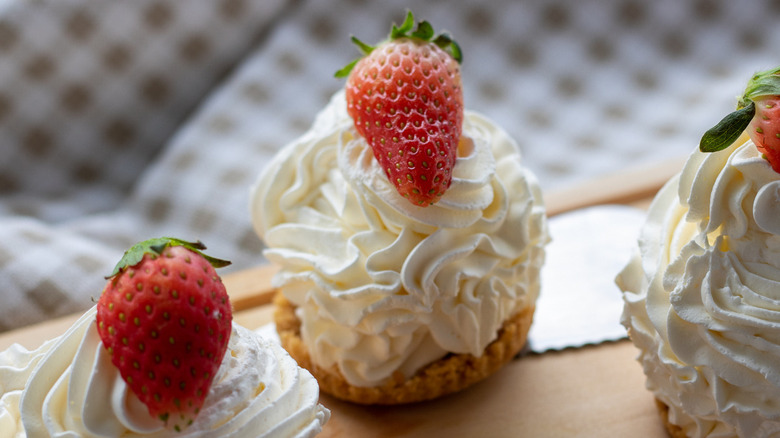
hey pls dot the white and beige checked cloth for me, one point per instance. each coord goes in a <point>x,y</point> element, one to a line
<point>127,119</point>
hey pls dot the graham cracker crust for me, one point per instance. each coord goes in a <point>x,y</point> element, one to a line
<point>449,374</point>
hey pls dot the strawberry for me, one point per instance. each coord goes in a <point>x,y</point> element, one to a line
<point>406,100</point>
<point>764,129</point>
<point>758,111</point>
<point>165,319</point>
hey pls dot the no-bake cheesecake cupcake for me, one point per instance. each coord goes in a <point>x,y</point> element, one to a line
<point>409,234</point>
<point>702,296</point>
<point>158,356</point>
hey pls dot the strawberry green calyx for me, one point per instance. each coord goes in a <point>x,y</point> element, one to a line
<point>155,246</point>
<point>761,85</point>
<point>727,131</point>
<point>424,32</point>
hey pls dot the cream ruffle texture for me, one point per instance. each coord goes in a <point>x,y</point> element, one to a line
<point>385,286</point>
<point>69,385</point>
<point>703,298</point>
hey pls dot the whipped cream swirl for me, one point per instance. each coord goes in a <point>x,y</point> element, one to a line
<point>69,388</point>
<point>702,300</point>
<point>383,286</point>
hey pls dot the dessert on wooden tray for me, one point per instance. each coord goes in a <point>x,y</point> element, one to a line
<point>702,296</point>
<point>158,356</point>
<point>409,234</point>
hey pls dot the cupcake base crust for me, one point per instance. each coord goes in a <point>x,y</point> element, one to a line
<point>674,430</point>
<point>449,374</point>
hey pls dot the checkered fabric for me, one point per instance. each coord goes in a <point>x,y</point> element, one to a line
<point>127,119</point>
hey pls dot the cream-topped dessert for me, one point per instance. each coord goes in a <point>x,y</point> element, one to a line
<point>384,287</point>
<point>702,296</point>
<point>68,386</point>
<point>409,234</point>
<point>158,356</point>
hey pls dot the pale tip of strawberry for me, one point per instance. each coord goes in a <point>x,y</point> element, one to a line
<point>424,31</point>
<point>761,84</point>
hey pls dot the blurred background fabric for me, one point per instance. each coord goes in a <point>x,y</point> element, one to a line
<point>122,120</point>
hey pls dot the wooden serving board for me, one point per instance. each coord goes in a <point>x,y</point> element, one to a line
<point>594,391</point>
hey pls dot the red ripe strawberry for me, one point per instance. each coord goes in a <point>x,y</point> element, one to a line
<point>165,319</point>
<point>764,129</point>
<point>758,111</point>
<point>406,99</point>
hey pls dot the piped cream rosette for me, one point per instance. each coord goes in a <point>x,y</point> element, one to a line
<point>68,387</point>
<point>702,300</point>
<point>383,286</point>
